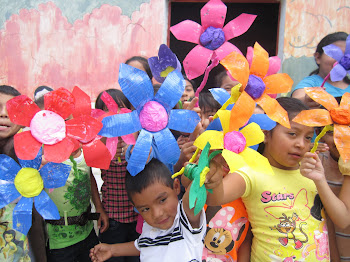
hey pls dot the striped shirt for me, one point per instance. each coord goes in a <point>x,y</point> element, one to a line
<point>181,242</point>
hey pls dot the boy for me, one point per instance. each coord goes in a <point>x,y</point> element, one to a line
<point>171,231</point>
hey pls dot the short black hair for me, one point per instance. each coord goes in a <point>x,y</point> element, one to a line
<point>9,90</point>
<point>118,97</point>
<point>219,78</point>
<point>292,105</point>
<point>190,81</point>
<point>142,61</point>
<point>206,100</point>
<point>40,102</point>
<point>154,171</point>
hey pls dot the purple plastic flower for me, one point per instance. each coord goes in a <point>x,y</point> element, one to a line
<point>212,38</point>
<point>164,63</point>
<point>342,68</point>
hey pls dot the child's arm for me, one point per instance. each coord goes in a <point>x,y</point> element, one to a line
<point>243,252</point>
<point>338,209</point>
<point>102,252</point>
<point>103,221</point>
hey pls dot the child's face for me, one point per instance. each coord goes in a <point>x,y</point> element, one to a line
<point>8,238</point>
<point>207,112</point>
<point>158,204</point>
<point>188,93</point>
<point>329,140</point>
<point>7,128</point>
<point>227,83</point>
<point>284,148</point>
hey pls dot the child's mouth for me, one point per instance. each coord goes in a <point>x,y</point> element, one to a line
<point>163,221</point>
<point>296,156</point>
<point>4,127</point>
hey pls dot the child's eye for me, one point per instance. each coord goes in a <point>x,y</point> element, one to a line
<point>163,200</point>
<point>291,134</point>
<point>144,209</point>
<point>309,138</point>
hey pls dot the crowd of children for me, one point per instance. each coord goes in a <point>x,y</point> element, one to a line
<point>300,212</point>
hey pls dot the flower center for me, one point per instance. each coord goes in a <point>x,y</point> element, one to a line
<point>153,116</point>
<point>167,71</point>
<point>48,127</point>
<point>212,38</point>
<point>235,142</point>
<point>255,87</point>
<point>345,61</point>
<point>340,116</point>
<point>28,182</point>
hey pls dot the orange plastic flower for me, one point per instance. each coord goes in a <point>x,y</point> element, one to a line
<point>256,86</point>
<point>338,115</point>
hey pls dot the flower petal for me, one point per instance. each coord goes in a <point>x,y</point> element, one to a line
<point>8,168</point>
<point>183,120</point>
<point>129,139</point>
<point>342,140</point>
<point>253,134</point>
<point>140,153</point>
<point>97,155</point>
<point>110,103</point>
<point>8,193</point>
<point>320,96</point>
<point>188,31</point>
<point>22,215</point>
<point>274,65</point>
<point>313,117</point>
<point>345,101</point>
<point>46,207</point>
<point>278,83</point>
<point>171,90</point>
<point>238,67</point>
<point>224,116</point>
<point>256,161</point>
<point>197,61</point>
<point>83,128</point>
<point>333,51</point>
<point>260,62</point>
<point>55,175</point>
<point>338,73</point>
<point>169,151</point>
<point>234,161</point>
<point>21,110</point>
<point>274,110</point>
<point>136,85</point>
<point>220,95</point>
<point>241,111</point>
<point>26,146</point>
<point>215,138</point>
<point>59,152</point>
<point>82,102</point>
<point>35,163</point>
<point>238,26</point>
<point>213,14</point>
<point>112,144</point>
<point>263,121</point>
<point>225,50</point>
<point>120,125</point>
<point>215,125</point>
<point>60,101</point>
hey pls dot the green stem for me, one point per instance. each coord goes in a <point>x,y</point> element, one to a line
<point>75,166</point>
<point>323,132</point>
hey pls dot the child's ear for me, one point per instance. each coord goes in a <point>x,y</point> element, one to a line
<point>317,57</point>
<point>266,133</point>
<point>177,186</point>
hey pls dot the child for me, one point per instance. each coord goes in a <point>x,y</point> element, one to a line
<point>283,209</point>
<point>122,217</point>
<point>224,81</point>
<point>209,106</point>
<point>189,91</point>
<point>140,63</point>
<point>171,231</point>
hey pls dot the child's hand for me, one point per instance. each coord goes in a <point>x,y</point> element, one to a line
<point>321,147</point>
<point>214,176</point>
<point>311,167</point>
<point>100,252</point>
<point>344,167</point>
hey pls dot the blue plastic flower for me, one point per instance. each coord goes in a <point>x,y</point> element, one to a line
<point>154,116</point>
<point>164,63</point>
<point>342,68</point>
<point>27,181</point>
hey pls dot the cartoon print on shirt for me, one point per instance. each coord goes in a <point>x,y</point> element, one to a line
<point>287,226</point>
<point>287,259</point>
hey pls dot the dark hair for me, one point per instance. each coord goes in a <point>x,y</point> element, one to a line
<point>118,97</point>
<point>292,105</point>
<point>46,89</point>
<point>10,232</point>
<point>40,102</point>
<point>154,171</point>
<point>142,61</point>
<point>327,40</point>
<point>206,100</point>
<point>9,90</point>
<point>191,82</point>
<point>219,78</point>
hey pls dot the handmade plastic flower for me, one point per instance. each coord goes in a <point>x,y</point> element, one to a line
<point>342,67</point>
<point>96,154</point>
<point>338,115</point>
<point>25,180</point>
<point>211,37</point>
<point>154,116</point>
<point>164,63</point>
<point>48,127</point>
<point>256,86</point>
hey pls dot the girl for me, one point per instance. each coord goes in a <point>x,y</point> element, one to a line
<point>284,210</point>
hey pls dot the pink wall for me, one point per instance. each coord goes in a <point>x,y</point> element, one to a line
<point>40,47</point>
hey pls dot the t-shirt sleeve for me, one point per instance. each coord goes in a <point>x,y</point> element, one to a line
<point>193,235</point>
<point>248,177</point>
<point>306,82</point>
<point>136,243</point>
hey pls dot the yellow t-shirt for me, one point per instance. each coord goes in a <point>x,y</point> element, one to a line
<point>285,214</point>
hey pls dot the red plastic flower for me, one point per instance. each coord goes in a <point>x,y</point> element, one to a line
<point>48,127</point>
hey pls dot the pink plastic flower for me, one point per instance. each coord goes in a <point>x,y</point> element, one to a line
<point>211,37</point>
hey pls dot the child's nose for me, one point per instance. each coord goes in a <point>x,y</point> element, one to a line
<point>300,142</point>
<point>157,213</point>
